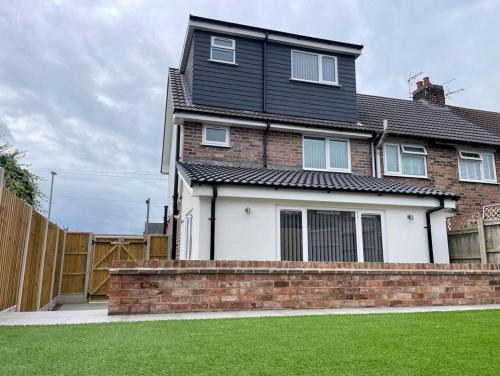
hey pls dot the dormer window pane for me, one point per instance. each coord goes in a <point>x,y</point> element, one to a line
<point>328,69</point>
<point>222,55</point>
<point>305,66</point>
<point>222,50</point>
<point>314,153</point>
<point>338,154</point>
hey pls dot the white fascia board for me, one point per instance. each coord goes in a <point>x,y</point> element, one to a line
<point>181,117</point>
<point>186,185</point>
<point>306,196</point>
<point>167,144</point>
<point>274,37</point>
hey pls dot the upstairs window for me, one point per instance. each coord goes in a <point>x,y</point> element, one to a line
<point>326,154</point>
<point>477,167</point>
<point>405,160</point>
<point>312,67</point>
<point>215,136</point>
<point>223,50</point>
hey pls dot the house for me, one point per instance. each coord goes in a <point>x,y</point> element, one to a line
<point>273,155</point>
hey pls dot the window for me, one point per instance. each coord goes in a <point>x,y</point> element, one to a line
<point>223,50</point>
<point>312,67</point>
<point>405,160</point>
<point>477,167</point>
<point>188,235</point>
<point>215,136</point>
<point>326,154</point>
<point>307,234</point>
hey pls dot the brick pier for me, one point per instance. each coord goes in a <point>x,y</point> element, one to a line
<point>188,286</point>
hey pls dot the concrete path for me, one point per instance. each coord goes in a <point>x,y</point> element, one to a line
<point>101,315</point>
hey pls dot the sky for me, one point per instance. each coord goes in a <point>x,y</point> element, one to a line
<point>83,83</point>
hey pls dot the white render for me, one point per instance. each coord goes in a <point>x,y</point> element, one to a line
<point>254,236</point>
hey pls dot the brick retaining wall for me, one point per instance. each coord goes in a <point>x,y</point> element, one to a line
<point>161,286</point>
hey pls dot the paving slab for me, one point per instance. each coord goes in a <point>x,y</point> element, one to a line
<point>101,315</point>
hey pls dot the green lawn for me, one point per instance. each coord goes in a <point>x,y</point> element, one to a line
<point>455,343</point>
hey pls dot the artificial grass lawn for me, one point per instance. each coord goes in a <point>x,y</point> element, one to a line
<point>451,343</point>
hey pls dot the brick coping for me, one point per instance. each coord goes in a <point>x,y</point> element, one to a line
<point>209,270</point>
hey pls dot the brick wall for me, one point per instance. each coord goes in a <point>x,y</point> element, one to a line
<point>284,149</point>
<point>442,169</point>
<point>184,286</point>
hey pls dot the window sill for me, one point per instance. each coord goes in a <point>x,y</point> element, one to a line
<point>215,145</point>
<point>327,170</point>
<point>478,181</point>
<point>221,62</point>
<point>407,176</point>
<point>316,82</point>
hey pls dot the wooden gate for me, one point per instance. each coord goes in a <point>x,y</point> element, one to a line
<point>106,249</point>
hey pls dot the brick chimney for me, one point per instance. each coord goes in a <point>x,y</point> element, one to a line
<point>431,93</point>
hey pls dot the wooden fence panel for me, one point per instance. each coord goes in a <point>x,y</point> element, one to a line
<point>158,247</point>
<point>33,259</point>
<point>48,264</point>
<point>464,247</point>
<point>492,234</point>
<point>57,273</point>
<point>75,262</point>
<point>14,214</point>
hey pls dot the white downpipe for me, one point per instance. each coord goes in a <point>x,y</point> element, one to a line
<point>378,147</point>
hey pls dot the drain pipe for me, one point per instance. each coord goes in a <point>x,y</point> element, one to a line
<point>429,228</point>
<point>264,142</point>
<point>264,100</point>
<point>175,208</point>
<point>212,223</point>
<point>377,149</point>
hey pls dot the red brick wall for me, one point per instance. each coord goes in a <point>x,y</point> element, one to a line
<point>284,149</point>
<point>442,169</point>
<point>184,286</point>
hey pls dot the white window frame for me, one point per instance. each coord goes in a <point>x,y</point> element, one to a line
<point>320,69</point>
<point>401,148</point>
<point>359,229</point>
<point>231,49</point>
<point>206,142</point>
<point>481,153</point>
<point>327,154</point>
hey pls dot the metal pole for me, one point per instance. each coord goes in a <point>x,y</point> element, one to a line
<point>148,202</point>
<point>51,191</point>
<point>2,182</point>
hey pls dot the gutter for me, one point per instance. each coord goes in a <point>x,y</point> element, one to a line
<point>212,222</point>
<point>175,209</point>
<point>377,169</point>
<point>429,227</point>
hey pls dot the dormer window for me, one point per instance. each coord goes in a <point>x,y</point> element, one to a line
<point>223,50</point>
<point>476,167</point>
<point>311,67</point>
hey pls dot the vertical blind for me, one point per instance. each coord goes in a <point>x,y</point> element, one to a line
<point>372,238</point>
<point>328,66</point>
<point>291,235</point>
<point>305,66</point>
<point>331,235</point>
<point>338,154</point>
<point>314,153</point>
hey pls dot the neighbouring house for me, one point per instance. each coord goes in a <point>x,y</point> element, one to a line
<point>273,155</point>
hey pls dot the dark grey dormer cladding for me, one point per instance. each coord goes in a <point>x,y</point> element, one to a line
<point>240,86</point>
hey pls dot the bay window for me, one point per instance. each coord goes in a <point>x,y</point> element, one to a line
<point>312,67</point>
<point>405,160</point>
<point>326,154</point>
<point>330,235</point>
<point>477,167</point>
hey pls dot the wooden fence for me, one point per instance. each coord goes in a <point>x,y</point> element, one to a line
<point>475,238</point>
<point>30,256</point>
<point>42,264</point>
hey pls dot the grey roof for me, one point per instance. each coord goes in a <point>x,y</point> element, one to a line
<point>406,117</point>
<point>420,119</point>
<point>211,174</point>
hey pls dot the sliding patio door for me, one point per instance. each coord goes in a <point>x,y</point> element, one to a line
<point>330,235</point>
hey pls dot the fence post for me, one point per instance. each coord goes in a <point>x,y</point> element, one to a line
<point>20,285</point>
<point>62,266</point>
<point>147,253</point>
<point>42,266</point>
<point>54,265</point>
<point>482,241</point>
<point>2,182</point>
<point>86,282</point>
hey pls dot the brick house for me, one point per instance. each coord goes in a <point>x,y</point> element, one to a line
<point>273,155</point>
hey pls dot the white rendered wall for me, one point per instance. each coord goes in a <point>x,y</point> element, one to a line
<point>254,236</point>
